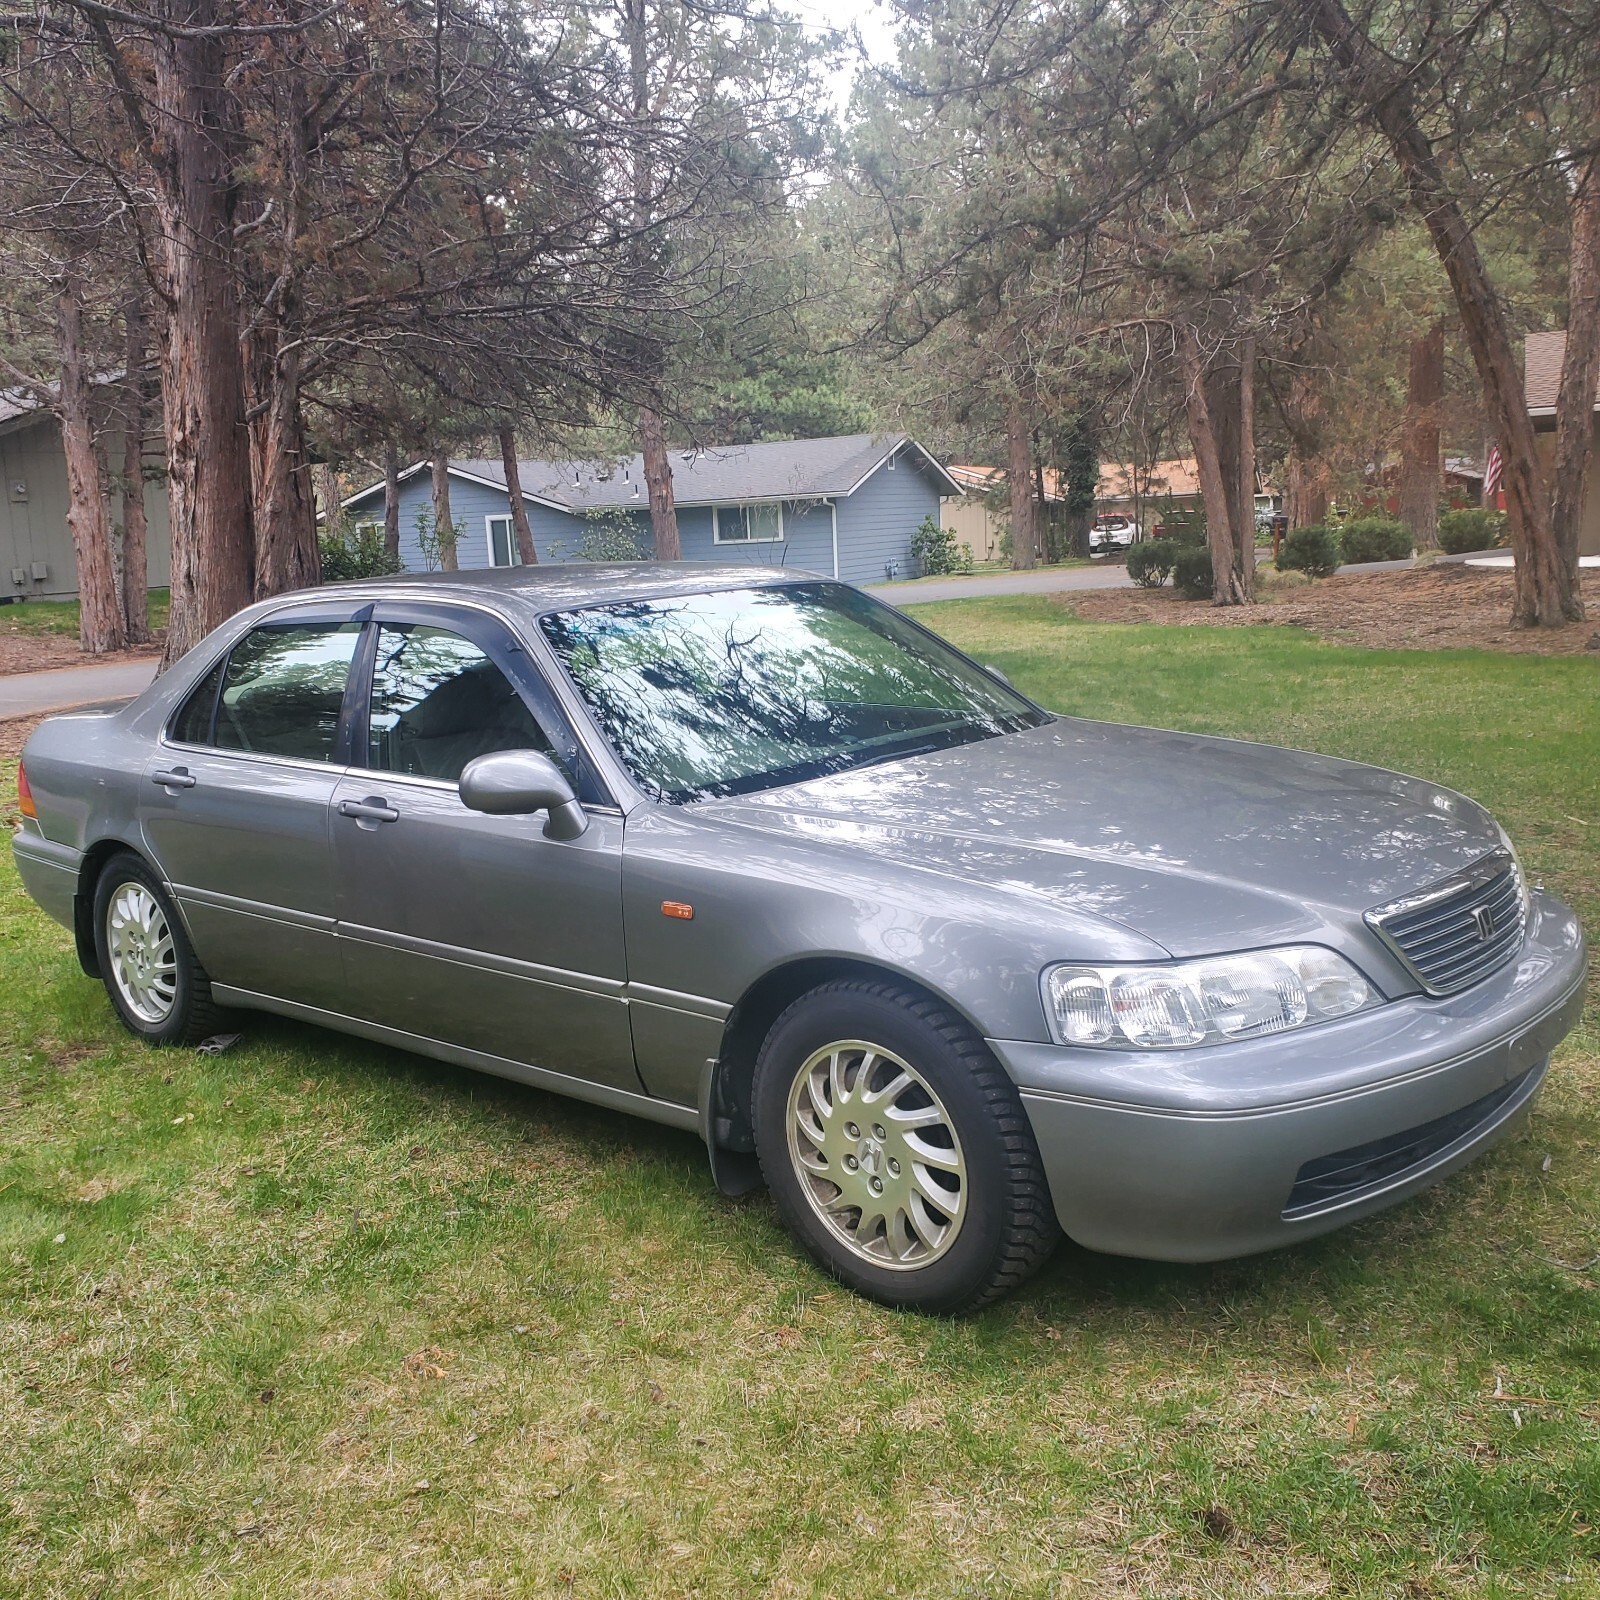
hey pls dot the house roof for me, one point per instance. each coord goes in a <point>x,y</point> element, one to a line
<point>1177,476</point>
<point>982,479</point>
<point>1541,371</point>
<point>796,469</point>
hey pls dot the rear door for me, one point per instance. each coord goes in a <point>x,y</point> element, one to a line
<point>235,808</point>
<point>471,929</point>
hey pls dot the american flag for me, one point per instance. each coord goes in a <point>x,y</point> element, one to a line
<point>1491,473</point>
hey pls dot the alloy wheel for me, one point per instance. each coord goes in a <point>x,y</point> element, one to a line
<point>877,1155</point>
<point>144,961</point>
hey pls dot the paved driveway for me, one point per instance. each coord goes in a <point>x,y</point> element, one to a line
<point>26,694</point>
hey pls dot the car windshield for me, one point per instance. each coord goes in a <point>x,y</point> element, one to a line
<point>746,689</point>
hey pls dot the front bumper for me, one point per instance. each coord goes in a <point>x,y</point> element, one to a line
<point>1196,1155</point>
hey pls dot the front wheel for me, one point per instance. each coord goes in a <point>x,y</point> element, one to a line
<point>156,985</point>
<point>897,1151</point>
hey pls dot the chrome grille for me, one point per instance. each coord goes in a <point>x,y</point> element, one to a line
<point>1460,930</point>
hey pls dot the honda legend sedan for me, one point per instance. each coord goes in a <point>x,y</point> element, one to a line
<point>749,853</point>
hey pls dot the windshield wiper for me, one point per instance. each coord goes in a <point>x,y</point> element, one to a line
<point>895,755</point>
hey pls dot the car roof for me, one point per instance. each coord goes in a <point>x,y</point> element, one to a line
<point>561,586</point>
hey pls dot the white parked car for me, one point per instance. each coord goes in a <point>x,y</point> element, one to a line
<point>1112,533</point>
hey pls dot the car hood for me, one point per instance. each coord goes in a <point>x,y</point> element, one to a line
<point>1198,844</point>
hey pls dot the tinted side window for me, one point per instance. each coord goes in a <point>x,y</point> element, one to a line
<point>192,725</point>
<point>438,701</point>
<point>284,687</point>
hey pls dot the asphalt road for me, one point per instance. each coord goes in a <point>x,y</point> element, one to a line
<point>25,694</point>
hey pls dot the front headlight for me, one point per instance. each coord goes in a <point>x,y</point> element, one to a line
<point>1178,1004</point>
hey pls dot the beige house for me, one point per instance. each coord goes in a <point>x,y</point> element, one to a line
<point>979,518</point>
<point>36,561</point>
<point>1542,380</point>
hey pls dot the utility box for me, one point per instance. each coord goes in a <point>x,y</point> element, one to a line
<point>19,576</point>
<point>40,571</point>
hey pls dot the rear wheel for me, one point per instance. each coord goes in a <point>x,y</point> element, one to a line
<point>897,1150</point>
<point>156,985</point>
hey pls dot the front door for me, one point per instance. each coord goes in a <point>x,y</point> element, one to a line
<point>235,807</point>
<point>456,926</point>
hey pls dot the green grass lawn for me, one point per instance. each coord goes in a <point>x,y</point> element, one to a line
<point>61,616</point>
<point>317,1318</point>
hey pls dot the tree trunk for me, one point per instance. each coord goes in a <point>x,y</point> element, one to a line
<point>1239,464</point>
<point>1421,470</point>
<point>391,505</point>
<point>1306,490</point>
<point>444,526</point>
<point>1546,589</point>
<point>1019,474</point>
<point>1580,366</point>
<point>100,623</point>
<point>1044,533</point>
<point>1214,492</point>
<point>202,370</point>
<point>519,506</point>
<point>1306,466</point>
<point>658,482</point>
<point>135,524</point>
<point>287,556</point>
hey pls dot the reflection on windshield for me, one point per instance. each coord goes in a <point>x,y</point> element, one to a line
<point>724,693</point>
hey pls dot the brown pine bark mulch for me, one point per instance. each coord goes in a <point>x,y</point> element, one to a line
<point>1442,607</point>
<point>25,651</point>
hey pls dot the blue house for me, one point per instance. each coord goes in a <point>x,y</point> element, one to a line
<point>846,507</point>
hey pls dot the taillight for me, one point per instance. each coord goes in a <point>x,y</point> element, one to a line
<point>25,796</point>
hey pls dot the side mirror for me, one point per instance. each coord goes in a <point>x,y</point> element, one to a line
<point>995,672</point>
<point>514,783</point>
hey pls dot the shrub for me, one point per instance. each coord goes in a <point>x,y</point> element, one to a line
<point>1313,550</point>
<point>610,533</point>
<point>1191,571</point>
<point>354,552</point>
<point>1374,539</point>
<point>935,550</point>
<point>1473,528</point>
<point>1150,562</point>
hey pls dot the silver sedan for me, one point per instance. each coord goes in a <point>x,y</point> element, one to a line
<point>753,855</point>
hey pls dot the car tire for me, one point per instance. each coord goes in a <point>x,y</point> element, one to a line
<point>891,1094</point>
<point>157,986</point>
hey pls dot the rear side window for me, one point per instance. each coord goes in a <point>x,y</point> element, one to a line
<point>192,725</point>
<point>284,687</point>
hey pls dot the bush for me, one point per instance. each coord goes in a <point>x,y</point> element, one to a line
<point>1150,562</point>
<point>1313,550</point>
<point>356,552</point>
<point>610,533</point>
<point>1374,539</point>
<point>1191,571</point>
<point>1474,528</point>
<point>935,550</point>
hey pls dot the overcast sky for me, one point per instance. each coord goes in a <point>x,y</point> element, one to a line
<point>874,20</point>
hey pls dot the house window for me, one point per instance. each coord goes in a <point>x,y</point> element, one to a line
<point>762,524</point>
<point>503,550</point>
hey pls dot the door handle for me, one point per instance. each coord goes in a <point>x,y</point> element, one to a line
<point>177,778</point>
<point>372,810</point>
